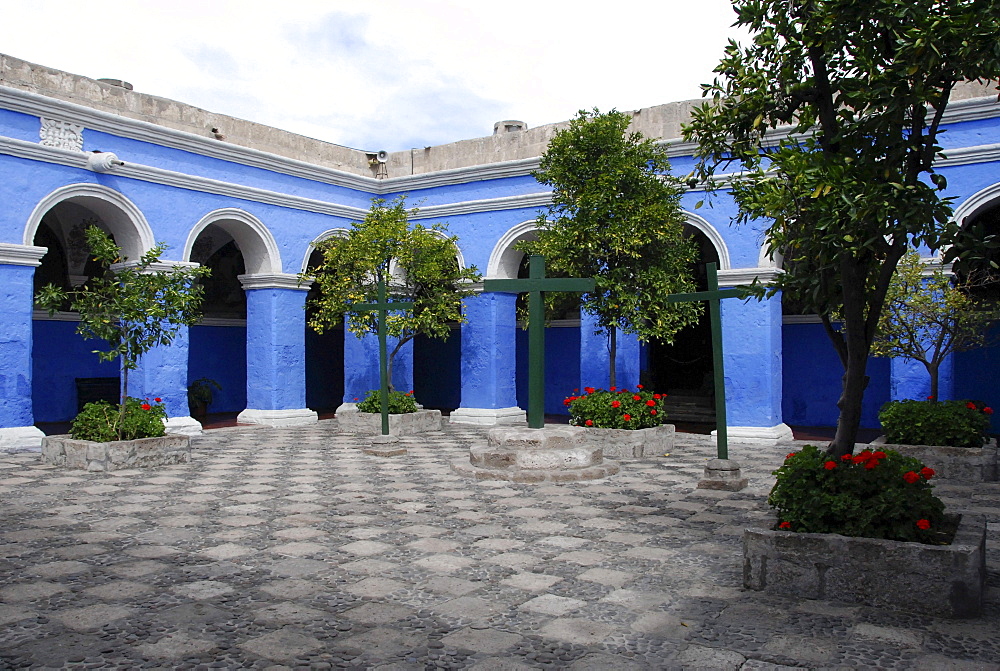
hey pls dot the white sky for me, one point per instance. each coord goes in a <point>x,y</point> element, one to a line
<point>383,74</point>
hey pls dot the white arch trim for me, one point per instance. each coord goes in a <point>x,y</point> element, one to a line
<point>713,236</point>
<point>260,251</point>
<point>128,225</point>
<point>504,260</point>
<point>976,202</point>
<point>325,235</point>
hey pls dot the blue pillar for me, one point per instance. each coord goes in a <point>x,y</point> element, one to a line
<point>751,346</point>
<point>276,348</point>
<point>163,373</point>
<point>361,367</point>
<point>595,357</point>
<point>489,361</point>
<point>17,271</point>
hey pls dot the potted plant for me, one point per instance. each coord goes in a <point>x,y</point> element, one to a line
<point>200,395</point>
<point>405,416</point>
<point>950,436</point>
<point>624,423</point>
<point>867,529</point>
<point>133,307</point>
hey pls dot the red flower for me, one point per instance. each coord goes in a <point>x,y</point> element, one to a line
<point>785,525</point>
<point>930,398</point>
<point>845,457</point>
<point>575,391</point>
<point>589,390</point>
<point>157,399</point>
<point>409,393</point>
<point>627,417</point>
<point>651,403</point>
<point>637,398</point>
<point>871,463</point>
<point>879,455</point>
<point>589,422</point>
<point>928,473</point>
<point>830,465</point>
<point>145,406</point>
<point>923,524</point>
<point>789,455</point>
<point>355,398</point>
<point>910,477</point>
<point>657,396</point>
<point>612,388</point>
<point>638,386</point>
<point>970,405</point>
<point>652,412</point>
<point>615,404</point>
<point>988,410</point>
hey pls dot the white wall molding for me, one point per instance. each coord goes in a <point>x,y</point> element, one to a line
<point>21,255</point>
<point>740,276</point>
<point>273,281</point>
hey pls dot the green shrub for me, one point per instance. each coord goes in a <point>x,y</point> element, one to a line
<point>870,494</point>
<point>399,403</point>
<point>98,421</point>
<point>957,423</point>
<point>616,409</point>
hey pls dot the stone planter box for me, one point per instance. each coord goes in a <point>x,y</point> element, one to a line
<point>964,464</point>
<point>353,421</point>
<point>618,443</point>
<point>116,455</point>
<point>939,580</point>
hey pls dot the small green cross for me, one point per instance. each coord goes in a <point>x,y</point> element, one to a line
<point>714,296</point>
<point>382,307</point>
<point>534,286</point>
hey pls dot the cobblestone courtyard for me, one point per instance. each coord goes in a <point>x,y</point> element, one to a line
<point>290,548</point>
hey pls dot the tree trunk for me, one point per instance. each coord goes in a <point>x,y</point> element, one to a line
<point>121,405</point>
<point>392,355</point>
<point>932,371</point>
<point>854,383</point>
<point>613,350</point>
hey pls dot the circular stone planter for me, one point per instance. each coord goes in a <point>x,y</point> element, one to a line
<point>352,420</point>
<point>939,580</point>
<point>68,452</point>
<point>654,441</point>
<point>962,464</point>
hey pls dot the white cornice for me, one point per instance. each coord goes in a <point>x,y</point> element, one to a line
<point>484,205</point>
<point>21,255</point>
<point>965,155</point>
<point>740,276</point>
<point>274,281</point>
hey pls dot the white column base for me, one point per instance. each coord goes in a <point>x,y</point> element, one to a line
<point>278,418</point>
<point>488,416</point>
<point>21,439</point>
<point>184,426</point>
<point>759,435</point>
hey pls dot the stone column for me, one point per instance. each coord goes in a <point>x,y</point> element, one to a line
<point>17,272</point>
<point>751,346</point>
<point>595,357</point>
<point>361,366</point>
<point>276,349</point>
<point>489,361</point>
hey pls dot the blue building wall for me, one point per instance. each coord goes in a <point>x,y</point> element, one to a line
<point>562,367</point>
<point>220,353</point>
<point>59,357</point>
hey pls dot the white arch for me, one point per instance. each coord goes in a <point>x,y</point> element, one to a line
<point>504,259</point>
<point>977,202</point>
<point>325,235</point>
<point>124,220</point>
<point>713,236</point>
<point>260,251</point>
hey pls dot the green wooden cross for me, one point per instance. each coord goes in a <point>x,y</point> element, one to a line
<point>714,296</point>
<point>534,286</point>
<point>382,307</point>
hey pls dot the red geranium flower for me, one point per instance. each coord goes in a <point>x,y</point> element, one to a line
<point>576,391</point>
<point>627,417</point>
<point>879,455</point>
<point>638,386</point>
<point>789,455</point>
<point>589,422</point>
<point>612,388</point>
<point>651,403</point>
<point>970,405</point>
<point>923,524</point>
<point>785,525</point>
<point>988,410</point>
<point>615,404</point>
<point>637,398</point>
<point>355,398</point>
<point>830,465</point>
<point>930,398</point>
<point>656,396</point>
<point>846,457</point>
<point>157,399</point>
<point>145,406</point>
<point>871,463</point>
<point>928,473</point>
<point>910,477</point>
<point>589,390</point>
<point>652,412</point>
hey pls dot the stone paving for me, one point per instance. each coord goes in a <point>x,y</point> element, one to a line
<point>290,548</point>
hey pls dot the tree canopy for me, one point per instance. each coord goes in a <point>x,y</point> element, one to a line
<point>417,263</point>
<point>833,115</point>
<point>616,217</point>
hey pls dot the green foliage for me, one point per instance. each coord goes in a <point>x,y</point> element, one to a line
<point>103,422</point>
<point>616,217</point>
<point>832,114</point>
<point>872,494</point>
<point>399,403</point>
<point>616,409</point>
<point>930,422</point>
<point>425,271</point>
<point>929,316</point>
<point>133,307</point>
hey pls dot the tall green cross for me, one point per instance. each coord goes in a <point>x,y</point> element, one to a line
<point>534,286</point>
<point>714,296</point>
<point>382,307</point>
